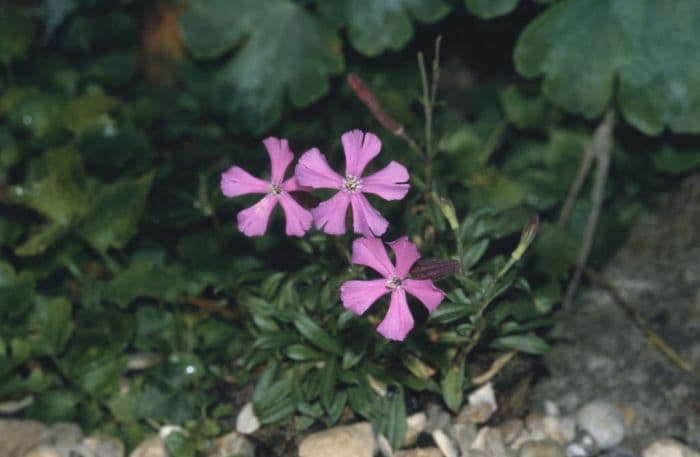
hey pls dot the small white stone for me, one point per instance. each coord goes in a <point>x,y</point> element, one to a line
<point>437,418</point>
<point>464,435</point>
<point>247,422</point>
<point>551,409</point>
<point>345,441</point>
<point>153,447</point>
<point>446,445</point>
<point>43,451</point>
<point>603,421</point>
<point>490,441</point>
<point>668,448</point>
<point>576,450</point>
<point>232,443</point>
<point>511,430</point>
<point>104,446</point>
<point>484,395</point>
<point>384,446</point>
<point>415,425</point>
<point>168,429</point>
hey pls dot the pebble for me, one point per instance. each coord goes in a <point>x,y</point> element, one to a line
<point>511,430</point>
<point>44,451</point>
<point>415,425</point>
<point>438,419</point>
<point>541,449</point>
<point>231,444</point>
<point>489,440</point>
<point>603,421</point>
<point>104,446</point>
<point>247,422</point>
<point>668,448</point>
<point>482,404</point>
<point>420,452</point>
<point>62,434</point>
<point>464,435</point>
<point>345,441</point>
<point>446,445</point>
<point>19,436</point>
<point>152,447</point>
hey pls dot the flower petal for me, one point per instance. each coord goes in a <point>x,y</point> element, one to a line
<point>298,218</point>
<point>370,252</point>
<point>329,216</point>
<point>292,185</point>
<point>313,171</point>
<point>398,320</point>
<point>358,296</point>
<point>253,221</point>
<point>236,181</point>
<point>389,182</point>
<point>280,157</point>
<point>359,149</point>
<point>366,220</point>
<point>425,291</point>
<point>406,254</point>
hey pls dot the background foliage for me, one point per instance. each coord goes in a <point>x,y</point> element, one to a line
<point>129,300</point>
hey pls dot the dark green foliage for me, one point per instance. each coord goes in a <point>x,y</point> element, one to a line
<point>129,299</point>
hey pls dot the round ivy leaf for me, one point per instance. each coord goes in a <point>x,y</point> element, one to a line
<point>648,49</point>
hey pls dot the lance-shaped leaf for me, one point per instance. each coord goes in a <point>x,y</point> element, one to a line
<point>647,49</point>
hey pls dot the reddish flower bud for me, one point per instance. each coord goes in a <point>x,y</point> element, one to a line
<point>367,97</point>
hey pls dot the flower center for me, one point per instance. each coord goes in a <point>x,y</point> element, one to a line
<point>352,183</point>
<point>394,283</point>
<point>275,189</point>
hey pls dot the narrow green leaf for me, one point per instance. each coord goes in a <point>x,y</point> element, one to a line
<point>310,330</point>
<point>529,343</point>
<point>452,387</point>
<point>474,253</point>
<point>329,375</point>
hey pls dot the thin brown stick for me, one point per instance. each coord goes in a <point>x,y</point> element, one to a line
<point>210,306</point>
<point>639,321</point>
<point>497,365</point>
<point>602,146</point>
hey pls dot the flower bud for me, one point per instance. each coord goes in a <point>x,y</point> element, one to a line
<point>527,236</point>
<point>367,97</point>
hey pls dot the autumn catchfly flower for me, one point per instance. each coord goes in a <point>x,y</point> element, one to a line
<point>253,221</point>
<point>389,183</point>
<point>359,295</point>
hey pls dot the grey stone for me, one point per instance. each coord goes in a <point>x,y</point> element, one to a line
<point>603,354</point>
<point>603,421</point>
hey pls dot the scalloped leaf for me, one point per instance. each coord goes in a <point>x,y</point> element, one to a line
<point>648,49</point>
<point>375,27</point>
<point>251,86</point>
<point>489,9</point>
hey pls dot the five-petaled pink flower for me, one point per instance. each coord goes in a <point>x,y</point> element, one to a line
<point>253,221</point>
<point>358,296</point>
<point>388,183</point>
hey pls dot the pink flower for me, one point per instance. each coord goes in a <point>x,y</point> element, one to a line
<point>253,221</point>
<point>388,183</point>
<point>358,296</point>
